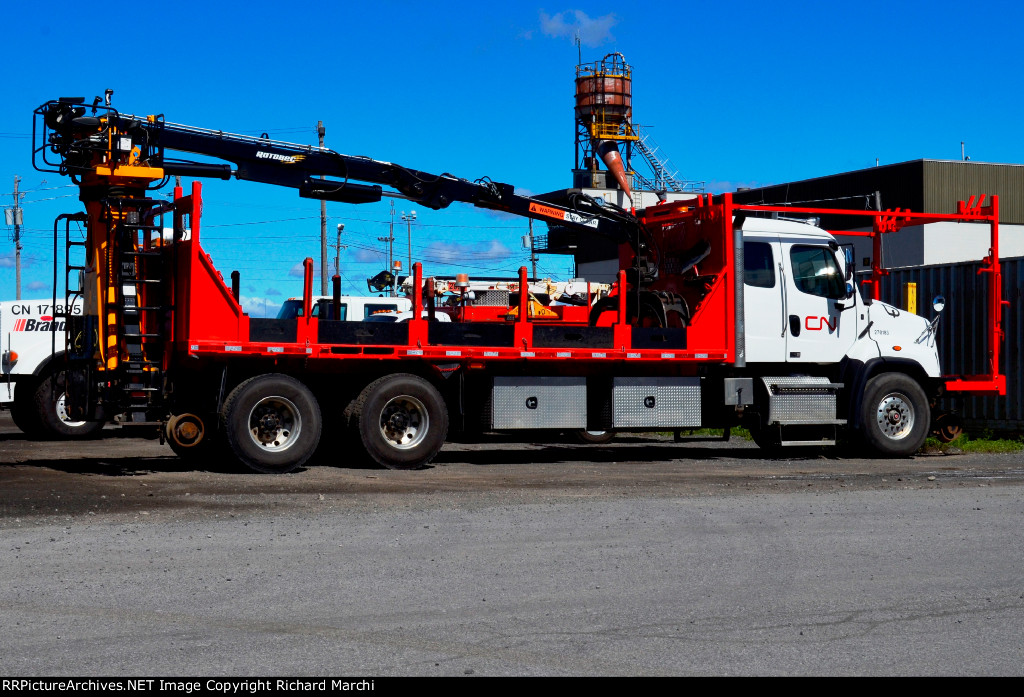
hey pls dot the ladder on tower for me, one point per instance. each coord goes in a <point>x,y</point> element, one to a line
<point>140,305</point>
<point>665,178</point>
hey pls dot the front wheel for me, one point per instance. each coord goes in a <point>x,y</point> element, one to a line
<point>894,416</point>
<point>49,417</point>
<point>767,438</point>
<point>403,421</point>
<point>272,423</point>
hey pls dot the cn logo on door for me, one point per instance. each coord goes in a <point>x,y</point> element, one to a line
<point>817,324</point>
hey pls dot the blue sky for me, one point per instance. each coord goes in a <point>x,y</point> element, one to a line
<point>736,94</point>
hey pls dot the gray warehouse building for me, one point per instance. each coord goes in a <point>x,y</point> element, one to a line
<point>926,186</point>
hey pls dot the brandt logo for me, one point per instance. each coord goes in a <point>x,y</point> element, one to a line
<point>43,324</point>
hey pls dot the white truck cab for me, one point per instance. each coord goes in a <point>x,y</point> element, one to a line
<point>800,305</point>
<point>819,348</point>
<point>354,308</point>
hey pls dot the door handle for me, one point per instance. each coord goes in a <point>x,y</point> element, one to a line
<point>794,325</point>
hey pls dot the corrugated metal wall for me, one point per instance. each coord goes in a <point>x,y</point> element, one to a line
<point>923,186</point>
<point>962,333</point>
<point>946,182</point>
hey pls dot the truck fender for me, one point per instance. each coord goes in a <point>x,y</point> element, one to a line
<point>46,362</point>
<point>856,374</point>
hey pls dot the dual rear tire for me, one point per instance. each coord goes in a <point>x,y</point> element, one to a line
<point>402,421</point>
<point>273,423</point>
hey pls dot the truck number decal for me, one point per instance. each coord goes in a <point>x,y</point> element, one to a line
<point>44,309</point>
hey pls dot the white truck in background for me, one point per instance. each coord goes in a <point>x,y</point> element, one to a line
<point>32,342</point>
<point>32,335</point>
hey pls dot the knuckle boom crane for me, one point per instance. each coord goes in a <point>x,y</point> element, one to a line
<point>164,341</point>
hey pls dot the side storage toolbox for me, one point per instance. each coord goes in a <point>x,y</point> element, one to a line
<point>539,402</point>
<point>647,402</point>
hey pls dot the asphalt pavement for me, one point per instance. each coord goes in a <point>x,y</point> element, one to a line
<point>640,557</point>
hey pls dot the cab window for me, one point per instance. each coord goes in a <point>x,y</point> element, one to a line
<point>816,272</point>
<point>758,267</point>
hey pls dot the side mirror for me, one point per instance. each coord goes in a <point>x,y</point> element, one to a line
<point>848,253</point>
<point>938,303</point>
<point>851,290</point>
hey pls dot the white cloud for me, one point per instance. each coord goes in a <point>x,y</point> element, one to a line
<point>256,306</point>
<point>593,31</point>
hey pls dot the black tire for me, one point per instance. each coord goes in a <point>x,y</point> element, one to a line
<point>768,439</point>
<point>272,423</point>
<point>48,412</point>
<point>595,437</point>
<point>894,416</point>
<point>402,421</point>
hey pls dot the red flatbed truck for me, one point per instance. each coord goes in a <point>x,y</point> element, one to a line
<point>720,316</point>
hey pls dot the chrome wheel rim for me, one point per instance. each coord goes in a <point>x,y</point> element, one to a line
<point>404,422</point>
<point>275,424</point>
<point>62,413</point>
<point>895,416</point>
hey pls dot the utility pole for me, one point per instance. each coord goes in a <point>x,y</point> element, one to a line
<point>14,217</point>
<point>320,131</point>
<point>390,239</point>
<point>533,255</point>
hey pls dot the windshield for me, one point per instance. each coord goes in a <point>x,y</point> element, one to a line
<point>290,310</point>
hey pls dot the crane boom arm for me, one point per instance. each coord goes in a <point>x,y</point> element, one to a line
<point>85,144</point>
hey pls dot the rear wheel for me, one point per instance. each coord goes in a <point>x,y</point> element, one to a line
<point>894,416</point>
<point>272,423</point>
<point>402,421</point>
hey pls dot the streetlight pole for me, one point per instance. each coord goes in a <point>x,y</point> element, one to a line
<point>337,250</point>
<point>408,222</point>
